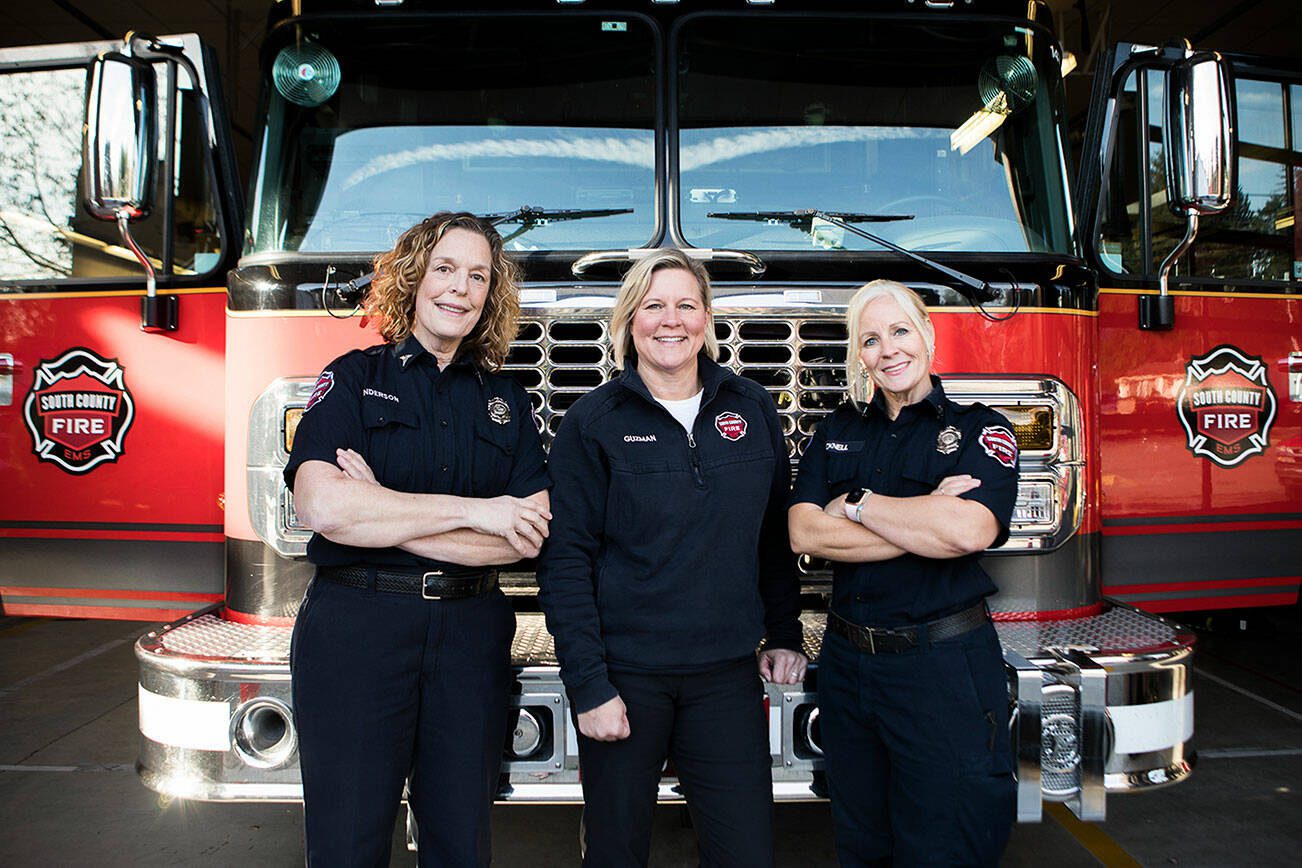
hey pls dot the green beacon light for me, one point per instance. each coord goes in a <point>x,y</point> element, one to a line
<point>305,73</point>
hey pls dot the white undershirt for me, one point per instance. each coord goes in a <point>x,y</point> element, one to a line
<point>685,410</point>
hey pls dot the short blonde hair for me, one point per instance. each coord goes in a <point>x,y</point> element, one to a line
<point>398,273</point>
<point>637,283</point>
<point>860,386</point>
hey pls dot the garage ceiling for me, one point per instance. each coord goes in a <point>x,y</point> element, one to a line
<point>234,29</point>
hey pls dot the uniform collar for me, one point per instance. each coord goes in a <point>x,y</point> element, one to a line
<point>711,373</point>
<point>935,401</point>
<point>410,351</point>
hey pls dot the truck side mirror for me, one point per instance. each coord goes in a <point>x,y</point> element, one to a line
<point>1200,162</point>
<point>120,154</point>
<point>1199,117</point>
<point>121,137</point>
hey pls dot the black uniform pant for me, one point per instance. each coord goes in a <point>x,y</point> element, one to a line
<point>713,727</point>
<point>919,764</point>
<point>390,685</point>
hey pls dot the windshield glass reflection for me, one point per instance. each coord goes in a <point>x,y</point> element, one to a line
<point>482,115</point>
<point>861,117</point>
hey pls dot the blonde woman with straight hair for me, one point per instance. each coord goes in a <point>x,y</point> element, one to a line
<point>667,566</point>
<point>420,471</point>
<point>903,489</point>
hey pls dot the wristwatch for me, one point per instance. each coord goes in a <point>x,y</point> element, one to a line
<point>854,502</point>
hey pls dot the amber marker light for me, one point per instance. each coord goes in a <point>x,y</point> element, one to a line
<point>1032,426</point>
<point>289,425</point>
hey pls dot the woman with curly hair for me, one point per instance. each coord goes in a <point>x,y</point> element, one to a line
<point>420,471</point>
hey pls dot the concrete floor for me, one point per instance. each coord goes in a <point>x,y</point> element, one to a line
<point>69,794</point>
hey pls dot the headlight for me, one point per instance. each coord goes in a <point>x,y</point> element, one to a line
<point>1045,417</point>
<point>272,424</point>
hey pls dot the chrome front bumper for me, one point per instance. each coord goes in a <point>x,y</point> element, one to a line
<point>1101,704</point>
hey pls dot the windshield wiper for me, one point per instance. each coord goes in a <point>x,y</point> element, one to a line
<point>801,219</point>
<point>978,290</point>
<point>529,217</point>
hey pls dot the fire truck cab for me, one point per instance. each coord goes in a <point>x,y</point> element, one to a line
<point>147,428</point>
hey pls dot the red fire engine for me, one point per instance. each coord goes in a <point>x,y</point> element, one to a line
<point>798,155</point>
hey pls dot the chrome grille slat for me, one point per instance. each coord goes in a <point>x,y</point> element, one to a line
<point>748,344</point>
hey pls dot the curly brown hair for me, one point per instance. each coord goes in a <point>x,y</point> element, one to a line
<point>398,273</point>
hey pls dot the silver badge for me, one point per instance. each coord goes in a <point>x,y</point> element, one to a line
<point>499,411</point>
<point>947,441</point>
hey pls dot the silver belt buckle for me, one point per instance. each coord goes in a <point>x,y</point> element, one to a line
<point>424,589</point>
<point>872,644</point>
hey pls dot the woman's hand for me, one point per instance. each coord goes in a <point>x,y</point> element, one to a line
<point>956,485</point>
<point>606,722</point>
<point>782,666</point>
<point>354,466</point>
<point>521,522</point>
<point>836,507</point>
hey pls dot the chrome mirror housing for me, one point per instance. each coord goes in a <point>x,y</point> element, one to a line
<point>120,137</point>
<point>1199,120</point>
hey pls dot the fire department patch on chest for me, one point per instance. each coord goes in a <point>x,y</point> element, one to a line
<point>78,410</point>
<point>1226,406</point>
<point>730,426</point>
<point>999,443</point>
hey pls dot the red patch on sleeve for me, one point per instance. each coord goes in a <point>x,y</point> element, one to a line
<point>324,384</point>
<point>1000,444</point>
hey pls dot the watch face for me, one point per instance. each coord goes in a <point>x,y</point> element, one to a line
<point>855,496</point>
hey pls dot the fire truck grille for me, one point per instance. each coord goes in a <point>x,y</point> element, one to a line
<point>800,360</point>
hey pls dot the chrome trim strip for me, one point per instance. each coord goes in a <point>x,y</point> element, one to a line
<point>1026,685</point>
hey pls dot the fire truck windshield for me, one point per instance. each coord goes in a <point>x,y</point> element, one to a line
<point>953,127</point>
<point>475,113</point>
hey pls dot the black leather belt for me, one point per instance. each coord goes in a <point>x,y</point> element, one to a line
<point>893,640</point>
<point>445,584</point>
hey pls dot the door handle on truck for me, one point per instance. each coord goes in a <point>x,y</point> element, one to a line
<point>6,379</point>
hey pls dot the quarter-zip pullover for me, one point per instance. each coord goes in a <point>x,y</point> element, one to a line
<point>668,549</point>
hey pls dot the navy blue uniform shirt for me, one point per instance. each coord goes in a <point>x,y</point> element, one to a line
<point>905,457</point>
<point>459,431</point>
<point>668,550</point>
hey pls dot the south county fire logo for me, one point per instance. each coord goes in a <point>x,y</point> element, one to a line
<point>78,410</point>
<point>1226,406</point>
<point>730,426</point>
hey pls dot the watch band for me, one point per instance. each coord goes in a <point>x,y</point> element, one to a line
<point>854,511</point>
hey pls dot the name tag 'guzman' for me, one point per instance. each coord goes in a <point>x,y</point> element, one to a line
<point>1000,444</point>
<point>499,411</point>
<point>730,426</point>
<point>639,438</point>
